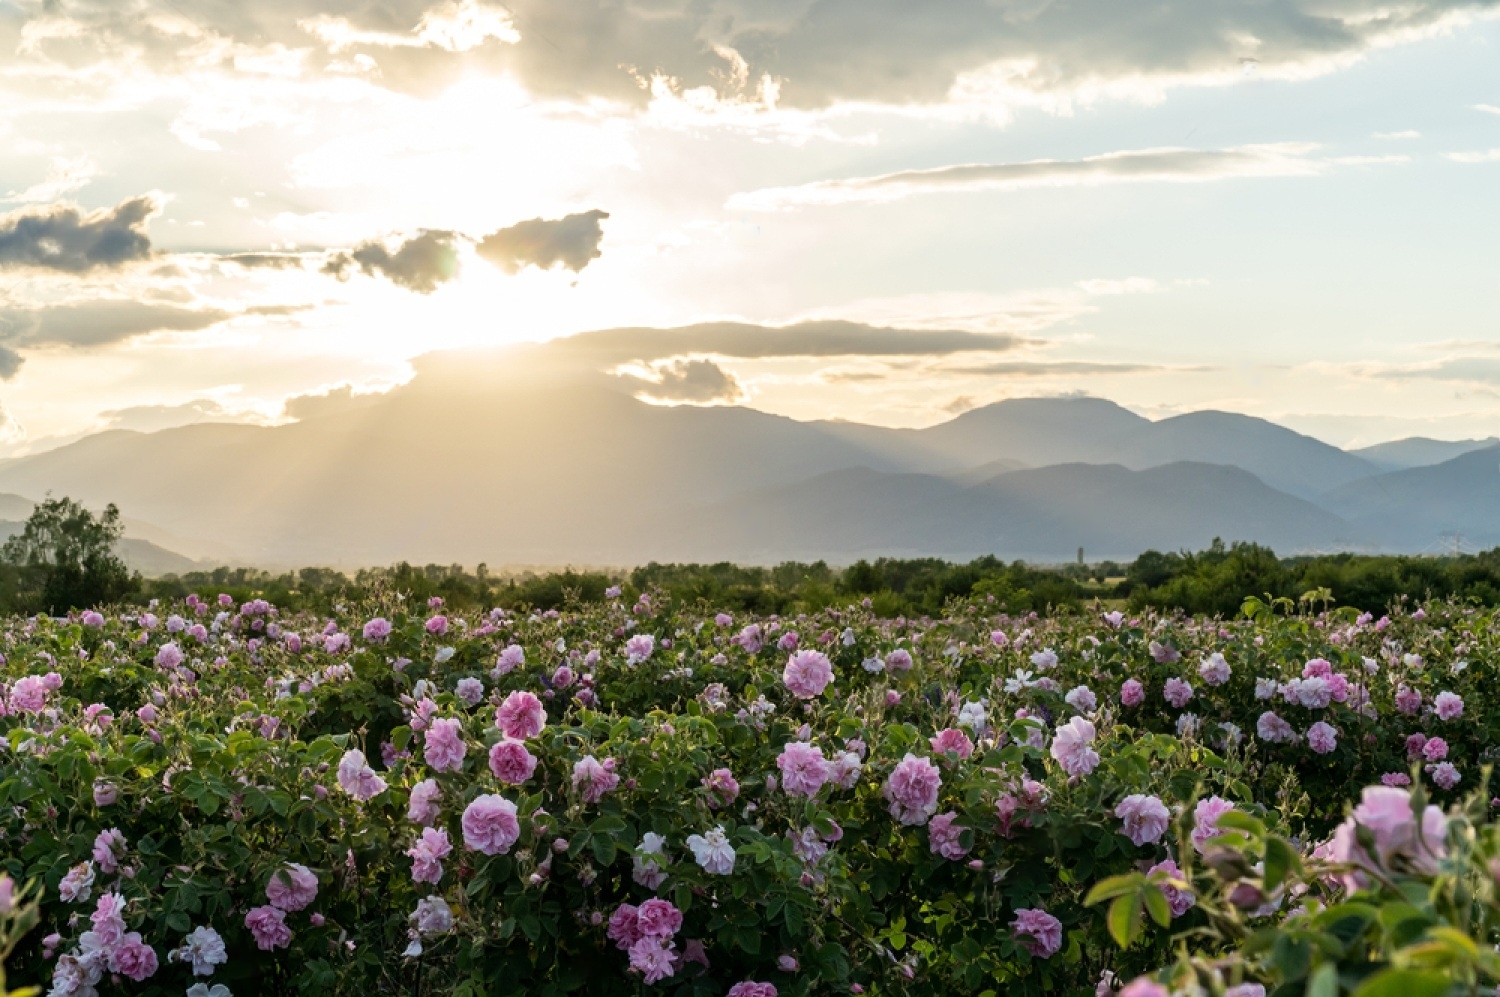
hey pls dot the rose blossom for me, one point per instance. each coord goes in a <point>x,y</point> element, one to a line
<point>912,790</point>
<point>422,807</point>
<point>521,716</point>
<point>427,855</point>
<point>954,741</point>
<point>1177,692</point>
<point>807,674</point>
<point>511,763</point>
<point>593,779</point>
<point>443,746</point>
<point>1206,816</point>
<point>1322,738</point>
<point>1178,900</point>
<point>133,958</point>
<point>943,834</point>
<point>268,925</point>
<point>803,768</point>
<point>1132,693</point>
<point>1039,932</point>
<point>713,852</point>
<point>490,825</point>
<point>1071,746</point>
<point>292,887</point>
<point>357,778</point>
<point>1448,706</point>
<point>1146,818</point>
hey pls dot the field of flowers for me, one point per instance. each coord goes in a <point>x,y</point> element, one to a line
<point>628,797</point>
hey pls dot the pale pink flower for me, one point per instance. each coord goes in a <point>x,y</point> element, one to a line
<point>1214,670</point>
<point>509,660</point>
<point>1180,901</point>
<point>1272,728</point>
<point>1144,987</point>
<point>28,694</point>
<point>427,855</point>
<point>1146,818</point>
<point>443,747</point>
<point>377,629</point>
<point>511,763</point>
<point>803,768</point>
<point>133,958</point>
<point>357,778</point>
<point>1177,692</point>
<point>592,779</point>
<point>1322,738</point>
<point>952,741</point>
<point>658,918</point>
<point>169,656</point>
<point>1408,701</point>
<point>898,661</point>
<point>722,788</point>
<point>944,834</point>
<point>521,716</point>
<point>469,690</point>
<point>624,929</point>
<point>807,674</point>
<point>268,925</point>
<point>422,808</point>
<point>1038,931</point>
<point>1132,693</point>
<point>1385,811</point>
<point>490,825</point>
<point>1445,775</point>
<point>750,988</point>
<point>1206,814</point>
<point>653,958</point>
<point>108,847</point>
<point>1072,747</point>
<point>292,887</point>
<point>639,649</point>
<point>1448,706</point>
<point>436,625</point>
<point>912,790</point>
<point>1082,699</point>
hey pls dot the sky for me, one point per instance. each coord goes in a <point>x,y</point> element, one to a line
<point>209,208</point>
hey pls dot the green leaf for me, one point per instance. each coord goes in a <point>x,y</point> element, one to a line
<point>1324,981</point>
<point>1114,886</point>
<point>1404,983</point>
<point>1280,860</point>
<point>1125,920</point>
<point>1157,906</point>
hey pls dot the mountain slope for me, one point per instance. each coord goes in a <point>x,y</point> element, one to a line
<point>1041,514</point>
<point>1419,451</point>
<point>1421,508</point>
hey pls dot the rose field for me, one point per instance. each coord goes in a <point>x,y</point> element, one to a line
<point>636,796</point>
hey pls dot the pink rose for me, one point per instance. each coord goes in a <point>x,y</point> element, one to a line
<point>1072,747</point>
<point>427,855</point>
<point>133,958</point>
<point>943,834</point>
<point>292,887</point>
<point>592,779</point>
<point>658,918</point>
<point>1146,818</point>
<point>807,674</point>
<point>268,925</point>
<point>1039,932</point>
<point>511,763</point>
<point>521,716</point>
<point>952,740</point>
<point>422,808</point>
<point>490,825</point>
<point>804,770</point>
<point>1132,693</point>
<point>443,747</point>
<point>912,790</point>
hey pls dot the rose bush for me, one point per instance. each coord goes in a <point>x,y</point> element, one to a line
<point>650,797</point>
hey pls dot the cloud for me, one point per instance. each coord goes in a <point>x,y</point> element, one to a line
<point>1023,368</point>
<point>65,176</point>
<point>1137,166</point>
<point>815,53</point>
<point>1401,136</point>
<point>62,237</point>
<point>91,324</point>
<point>152,418</point>
<point>1466,370</point>
<point>333,401</point>
<point>571,241</point>
<point>420,263</point>
<point>266,261</point>
<point>684,381</point>
<point>1487,108</point>
<point>1487,156</point>
<point>827,338</point>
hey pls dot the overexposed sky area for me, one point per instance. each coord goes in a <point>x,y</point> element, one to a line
<point>1288,210</point>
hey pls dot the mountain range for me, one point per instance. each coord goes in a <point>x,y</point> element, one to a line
<point>524,456</point>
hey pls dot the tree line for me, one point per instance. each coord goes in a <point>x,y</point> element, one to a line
<point>66,557</point>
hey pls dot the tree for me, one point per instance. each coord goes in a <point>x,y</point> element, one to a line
<point>65,559</point>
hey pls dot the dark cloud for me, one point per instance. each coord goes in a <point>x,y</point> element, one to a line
<point>420,263</point>
<point>571,241</point>
<point>696,382</point>
<point>62,237</point>
<point>820,51</point>
<point>830,338</point>
<point>92,323</point>
<point>266,261</point>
